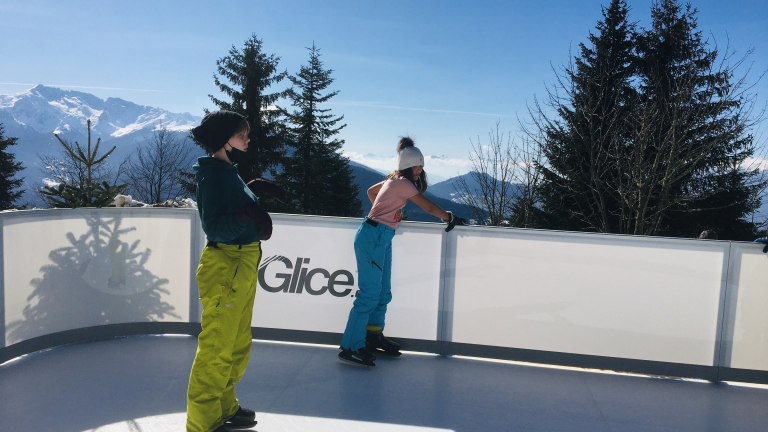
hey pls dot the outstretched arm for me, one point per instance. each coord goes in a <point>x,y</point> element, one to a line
<point>373,191</point>
<point>429,207</point>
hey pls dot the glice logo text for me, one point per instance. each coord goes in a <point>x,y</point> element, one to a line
<point>301,278</point>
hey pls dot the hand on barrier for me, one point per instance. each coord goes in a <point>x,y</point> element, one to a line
<point>453,221</point>
<point>765,242</point>
<point>254,212</point>
<point>261,187</point>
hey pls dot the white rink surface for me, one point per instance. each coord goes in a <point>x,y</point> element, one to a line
<point>267,421</point>
<point>138,384</point>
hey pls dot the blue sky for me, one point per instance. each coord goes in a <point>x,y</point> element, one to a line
<point>442,71</point>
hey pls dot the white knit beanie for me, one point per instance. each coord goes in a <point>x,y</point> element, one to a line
<point>409,157</point>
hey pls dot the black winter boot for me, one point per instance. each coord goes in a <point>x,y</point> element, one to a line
<point>377,343</point>
<point>359,357</point>
<point>243,418</point>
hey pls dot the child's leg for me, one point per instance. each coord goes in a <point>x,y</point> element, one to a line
<point>369,253</point>
<point>222,309</point>
<point>376,319</point>
<point>246,278</point>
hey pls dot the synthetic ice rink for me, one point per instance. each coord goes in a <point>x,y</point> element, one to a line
<point>138,384</point>
<point>79,308</point>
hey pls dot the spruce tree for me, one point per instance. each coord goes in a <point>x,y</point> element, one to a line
<point>693,136</point>
<point>187,183</point>
<point>587,139</point>
<point>91,193</point>
<point>245,76</point>
<point>650,135</point>
<point>8,169</point>
<point>317,179</point>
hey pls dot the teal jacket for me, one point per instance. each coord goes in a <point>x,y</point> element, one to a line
<point>220,193</point>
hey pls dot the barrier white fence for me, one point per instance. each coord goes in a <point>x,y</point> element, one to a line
<point>672,306</point>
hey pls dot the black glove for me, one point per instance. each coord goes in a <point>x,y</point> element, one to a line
<point>261,219</point>
<point>260,187</point>
<point>765,242</point>
<point>454,220</point>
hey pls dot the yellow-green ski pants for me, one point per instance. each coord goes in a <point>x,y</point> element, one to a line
<point>226,279</point>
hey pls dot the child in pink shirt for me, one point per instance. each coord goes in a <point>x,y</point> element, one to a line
<point>391,198</point>
<point>363,337</point>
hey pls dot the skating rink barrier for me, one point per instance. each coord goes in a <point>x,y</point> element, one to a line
<point>682,307</point>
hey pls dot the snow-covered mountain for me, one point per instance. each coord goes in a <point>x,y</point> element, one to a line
<point>52,110</point>
<point>35,115</point>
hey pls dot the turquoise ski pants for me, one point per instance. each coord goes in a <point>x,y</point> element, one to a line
<point>373,250</point>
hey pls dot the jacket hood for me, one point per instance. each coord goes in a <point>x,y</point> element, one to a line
<point>207,163</point>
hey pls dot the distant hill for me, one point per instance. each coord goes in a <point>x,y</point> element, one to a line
<point>367,177</point>
<point>415,213</point>
<point>445,189</point>
<point>448,189</point>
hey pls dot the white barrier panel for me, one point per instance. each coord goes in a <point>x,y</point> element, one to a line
<point>68,269</point>
<point>308,277</point>
<point>745,329</point>
<point>667,300</point>
<point>605,295</point>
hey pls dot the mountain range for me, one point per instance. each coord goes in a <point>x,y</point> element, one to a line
<point>35,115</point>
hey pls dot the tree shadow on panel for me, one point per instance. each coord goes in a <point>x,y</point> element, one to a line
<point>98,279</point>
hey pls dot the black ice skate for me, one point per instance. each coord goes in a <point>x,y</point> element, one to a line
<point>242,419</point>
<point>377,343</point>
<point>359,357</point>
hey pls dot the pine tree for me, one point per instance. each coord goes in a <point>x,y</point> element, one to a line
<point>651,133</point>
<point>250,73</point>
<point>317,179</point>
<point>91,193</point>
<point>584,144</point>
<point>8,169</point>
<point>692,137</point>
<point>186,179</point>
<point>187,183</point>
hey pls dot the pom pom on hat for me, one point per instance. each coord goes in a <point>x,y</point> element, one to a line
<point>216,129</point>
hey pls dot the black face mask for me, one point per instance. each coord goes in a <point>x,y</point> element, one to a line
<point>236,155</point>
